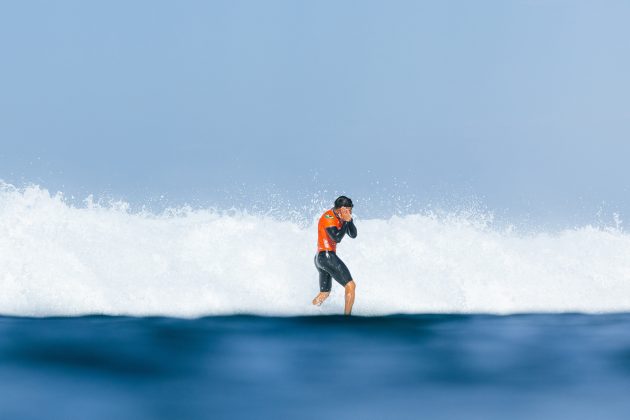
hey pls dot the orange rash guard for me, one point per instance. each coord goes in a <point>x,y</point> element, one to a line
<point>330,231</point>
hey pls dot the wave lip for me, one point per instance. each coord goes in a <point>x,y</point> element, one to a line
<point>60,259</point>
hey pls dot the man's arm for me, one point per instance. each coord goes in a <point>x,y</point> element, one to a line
<point>337,234</point>
<point>352,229</point>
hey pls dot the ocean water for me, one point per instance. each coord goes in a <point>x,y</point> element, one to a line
<point>246,367</point>
<point>190,313</point>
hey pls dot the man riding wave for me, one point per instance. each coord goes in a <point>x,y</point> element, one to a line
<point>332,227</point>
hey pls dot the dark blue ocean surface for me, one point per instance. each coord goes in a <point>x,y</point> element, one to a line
<point>246,367</point>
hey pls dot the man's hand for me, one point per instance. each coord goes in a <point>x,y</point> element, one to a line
<point>345,213</point>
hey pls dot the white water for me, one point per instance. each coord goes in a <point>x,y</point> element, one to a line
<point>58,259</point>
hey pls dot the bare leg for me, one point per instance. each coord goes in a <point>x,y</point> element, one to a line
<point>349,297</point>
<point>320,298</point>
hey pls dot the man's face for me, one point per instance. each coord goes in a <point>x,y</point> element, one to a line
<point>345,211</point>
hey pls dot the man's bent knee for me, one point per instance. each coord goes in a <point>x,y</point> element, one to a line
<point>350,286</point>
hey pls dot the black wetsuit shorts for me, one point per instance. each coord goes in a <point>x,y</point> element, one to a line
<point>330,265</point>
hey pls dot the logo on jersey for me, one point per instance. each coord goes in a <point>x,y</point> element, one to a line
<point>328,216</point>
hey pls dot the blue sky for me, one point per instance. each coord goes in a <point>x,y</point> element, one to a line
<point>522,104</point>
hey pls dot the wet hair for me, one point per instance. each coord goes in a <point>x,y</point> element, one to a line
<point>343,201</point>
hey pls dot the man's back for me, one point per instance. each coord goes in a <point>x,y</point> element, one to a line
<point>324,241</point>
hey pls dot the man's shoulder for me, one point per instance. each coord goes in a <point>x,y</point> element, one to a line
<point>327,217</point>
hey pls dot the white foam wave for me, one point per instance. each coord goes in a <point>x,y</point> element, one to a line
<point>59,259</point>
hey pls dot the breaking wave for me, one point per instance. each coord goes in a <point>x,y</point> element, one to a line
<point>57,258</point>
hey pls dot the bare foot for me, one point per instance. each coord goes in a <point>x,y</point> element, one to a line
<point>320,298</point>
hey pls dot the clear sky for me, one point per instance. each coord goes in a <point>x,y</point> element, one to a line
<point>522,104</point>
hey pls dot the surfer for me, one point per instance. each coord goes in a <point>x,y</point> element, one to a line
<point>332,227</point>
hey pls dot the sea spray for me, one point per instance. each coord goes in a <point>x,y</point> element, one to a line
<point>62,259</point>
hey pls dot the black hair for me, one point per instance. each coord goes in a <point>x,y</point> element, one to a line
<point>343,201</point>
